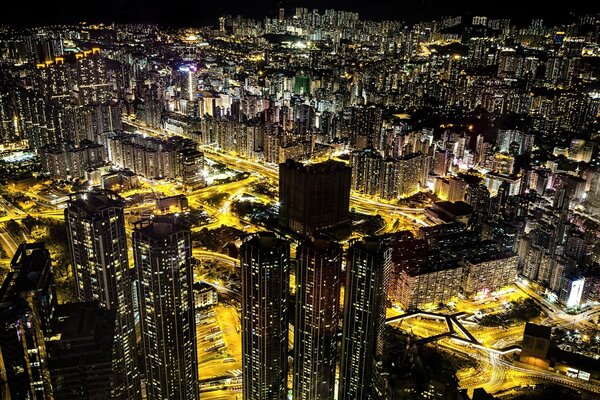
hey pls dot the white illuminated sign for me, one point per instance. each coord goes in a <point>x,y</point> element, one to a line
<point>575,293</point>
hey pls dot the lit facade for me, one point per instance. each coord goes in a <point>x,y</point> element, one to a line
<point>318,282</point>
<point>489,275</point>
<point>265,264</point>
<point>98,246</point>
<point>27,299</point>
<point>418,287</point>
<point>163,262</point>
<point>368,268</point>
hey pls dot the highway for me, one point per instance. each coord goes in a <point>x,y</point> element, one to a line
<point>8,243</point>
<point>389,212</point>
<point>557,317</point>
<point>494,372</point>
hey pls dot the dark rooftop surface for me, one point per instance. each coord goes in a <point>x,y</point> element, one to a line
<point>537,330</point>
<point>95,201</point>
<point>79,320</point>
<point>27,273</point>
<point>328,165</point>
<point>574,360</point>
<point>160,226</point>
<point>457,208</point>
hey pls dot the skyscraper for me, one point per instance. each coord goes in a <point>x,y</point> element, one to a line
<point>265,263</point>
<point>79,351</point>
<point>368,268</point>
<point>98,246</point>
<point>314,196</point>
<point>27,298</point>
<point>163,261</point>
<point>318,281</point>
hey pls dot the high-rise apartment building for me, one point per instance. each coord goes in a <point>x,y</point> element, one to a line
<point>368,267</point>
<point>27,298</point>
<point>314,196</point>
<point>428,285</point>
<point>163,262</point>
<point>366,170</point>
<point>318,282</point>
<point>265,264</point>
<point>80,351</point>
<point>388,178</point>
<point>489,274</point>
<point>519,141</point>
<point>98,246</point>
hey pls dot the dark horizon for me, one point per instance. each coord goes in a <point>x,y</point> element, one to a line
<point>193,13</point>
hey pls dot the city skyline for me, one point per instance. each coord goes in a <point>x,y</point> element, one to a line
<point>155,11</point>
<point>272,201</point>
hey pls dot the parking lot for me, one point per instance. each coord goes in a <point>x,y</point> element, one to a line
<point>219,350</point>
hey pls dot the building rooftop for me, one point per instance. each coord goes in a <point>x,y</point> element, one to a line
<point>370,244</point>
<point>574,360</point>
<point>160,225</point>
<point>321,243</point>
<point>202,286</point>
<point>265,241</point>
<point>79,320</point>
<point>311,168</point>
<point>95,201</point>
<point>539,331</point>
<point>471,179</point>
<point>29,269</point>
<point>456,208</point>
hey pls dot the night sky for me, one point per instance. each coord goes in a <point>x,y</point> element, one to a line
<point>201,12</point>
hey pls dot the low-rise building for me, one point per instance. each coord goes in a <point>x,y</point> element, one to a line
<point>205,295</point>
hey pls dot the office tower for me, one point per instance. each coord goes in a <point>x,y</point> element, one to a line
<point>368,266</point>
<point>98,246</point>
<point>80,351</point>
<point>265,264</point>
<point>27,298</point>
<point>313,196</point>
<point>163,262</point>
<point>318,281</point>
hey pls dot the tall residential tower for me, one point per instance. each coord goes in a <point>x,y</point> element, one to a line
<point>367,274</point>
<point>314,196</point>
<point>265,263</point>
<point>98,245</point>
<point>163,262</point>
<point>318,281</point>
<point>27,300</point>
